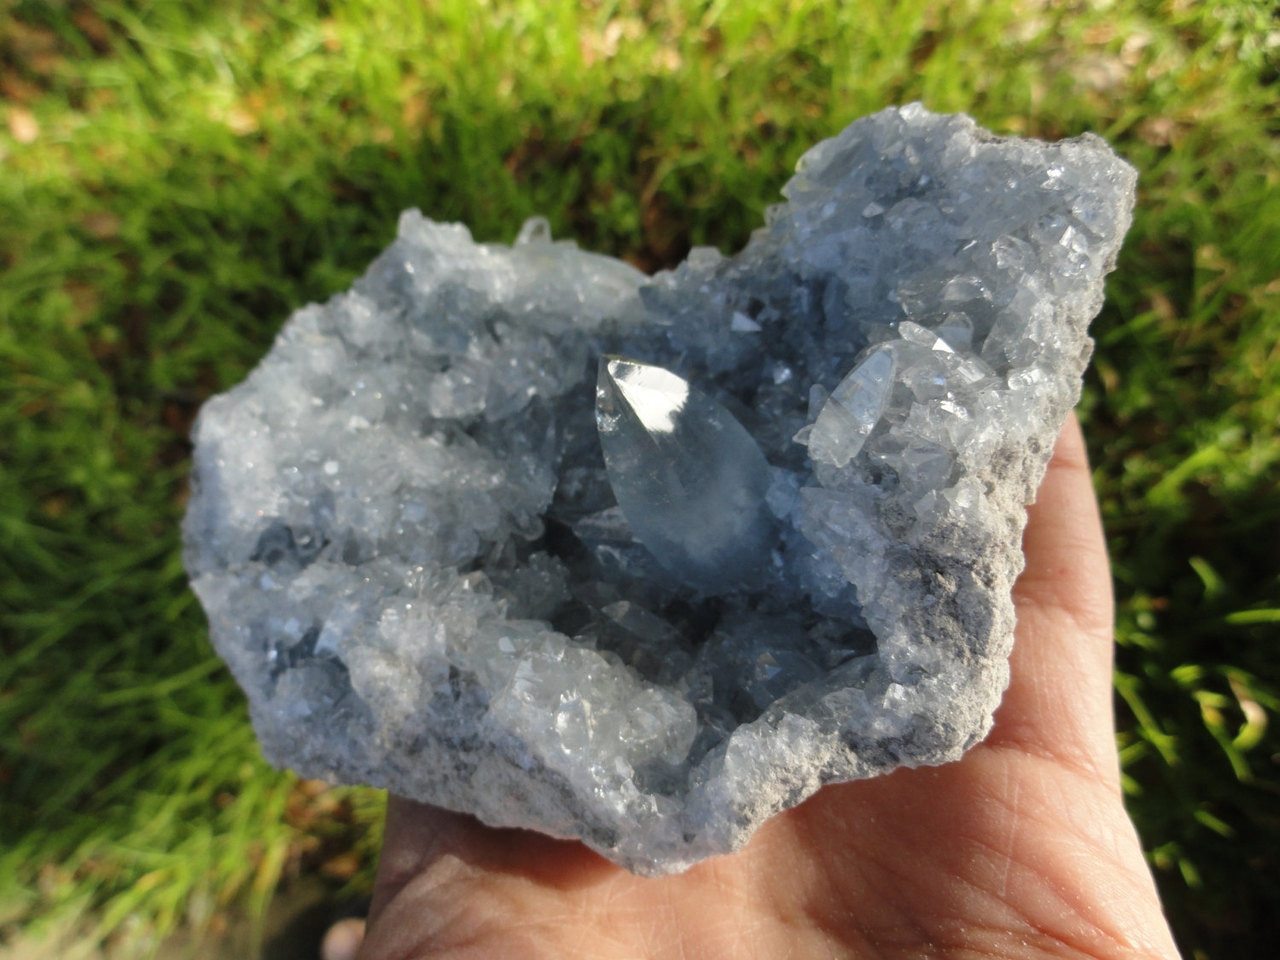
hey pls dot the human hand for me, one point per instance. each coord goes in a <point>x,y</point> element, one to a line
<point>1021,849</point>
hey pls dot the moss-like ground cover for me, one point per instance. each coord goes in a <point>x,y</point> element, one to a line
<point>175,177</point>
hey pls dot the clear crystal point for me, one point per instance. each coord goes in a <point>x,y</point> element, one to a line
<point>689,479</point>
<point>852,411</point>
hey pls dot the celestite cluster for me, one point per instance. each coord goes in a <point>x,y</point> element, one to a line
<point>644,560</point>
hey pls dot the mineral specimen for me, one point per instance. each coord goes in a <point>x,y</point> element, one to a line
<point>522,532</point>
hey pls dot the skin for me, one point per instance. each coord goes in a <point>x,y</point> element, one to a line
<point>1021,849</point>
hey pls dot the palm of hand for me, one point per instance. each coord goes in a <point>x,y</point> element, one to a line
<point>1021,849</point>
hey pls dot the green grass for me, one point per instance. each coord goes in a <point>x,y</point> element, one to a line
<point>175,177</point>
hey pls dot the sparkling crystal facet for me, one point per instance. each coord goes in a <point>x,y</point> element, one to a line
<point>689,479</point>
<point>852,411</point>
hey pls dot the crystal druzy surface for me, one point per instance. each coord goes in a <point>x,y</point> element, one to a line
<point>450,543</point>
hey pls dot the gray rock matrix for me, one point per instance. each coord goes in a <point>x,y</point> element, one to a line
<point>410,552</point>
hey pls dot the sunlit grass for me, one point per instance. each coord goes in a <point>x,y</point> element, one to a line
<point>175,177</point>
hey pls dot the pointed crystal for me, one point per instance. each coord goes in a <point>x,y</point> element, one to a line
<point>690,480</point>
<point>852,411</point>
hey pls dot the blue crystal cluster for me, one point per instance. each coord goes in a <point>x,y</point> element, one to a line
<point>522,532</point>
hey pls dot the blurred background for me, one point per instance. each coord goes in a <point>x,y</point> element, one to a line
<point>175,177</point>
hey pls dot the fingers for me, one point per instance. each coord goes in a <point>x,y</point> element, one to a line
<point>446,881</point>
<point>1059,697</point>
<point>414,833</point>
<point>422,839</point>
<point>342,941</point>
<point>415,868</point>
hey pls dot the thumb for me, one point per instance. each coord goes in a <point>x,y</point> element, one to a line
<point>1059,697</point>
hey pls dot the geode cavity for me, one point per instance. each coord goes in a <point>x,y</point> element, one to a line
<point>425,577</point>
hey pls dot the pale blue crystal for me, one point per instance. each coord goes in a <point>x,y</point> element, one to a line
<point>852,411</point>
<point>689,479</point>
<point>419,565</point>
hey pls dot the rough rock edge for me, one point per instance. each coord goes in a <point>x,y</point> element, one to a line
<point>551,804</point>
